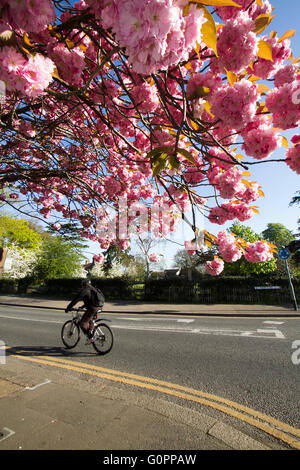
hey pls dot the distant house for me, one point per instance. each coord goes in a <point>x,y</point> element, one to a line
<point>184,273</point>
<point>171,273</point>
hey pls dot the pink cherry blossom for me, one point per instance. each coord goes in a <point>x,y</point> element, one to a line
<point>237,44</point>
<point>29,77</point>
<point>235,105</point>
<point>284,108</point>
<point>228,248</point>
<point>293,157</point>
<point>295,139</point>
<point>99,258</point>
<point>258,252</point>
<point>215,267</point>
<point>256,9</point>
<point>154,258</point>
<point>286,74</point>
<point>229,182</point>
<point>280,52</point>
<point>155,35</point>
<point>39,13</point>
<point>89,89</point>
<point>145,97</point>
<point>190,247</point>
<point>261,141</point>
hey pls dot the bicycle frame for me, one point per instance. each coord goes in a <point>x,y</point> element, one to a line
<point>77,315</point>
<point>100,335</point>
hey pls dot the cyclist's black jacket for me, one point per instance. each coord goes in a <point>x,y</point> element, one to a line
<point>85,294</point>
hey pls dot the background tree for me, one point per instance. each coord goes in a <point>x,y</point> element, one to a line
<point>144,246</point>
<point>115,257</point>
<point>23,262</point>
<point>242,267</point>
<point>58,258</point>
<point>195,262</point>
<point>17,232</point>
<point>70,232</point>
<point>278,234</point>
<point>281,236</point>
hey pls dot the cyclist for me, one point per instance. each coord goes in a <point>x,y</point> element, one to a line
<point>92,303</point>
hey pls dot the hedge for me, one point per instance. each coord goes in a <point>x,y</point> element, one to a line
<point>208,290</point>
<point>112,288</point>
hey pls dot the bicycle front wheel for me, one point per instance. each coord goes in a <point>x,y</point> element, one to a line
<point>103,338</point>
<point>70,334</point>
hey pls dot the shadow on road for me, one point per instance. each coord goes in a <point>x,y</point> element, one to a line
<point>46,351</point>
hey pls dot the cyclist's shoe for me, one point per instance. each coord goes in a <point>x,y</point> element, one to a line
<point>89,341</point>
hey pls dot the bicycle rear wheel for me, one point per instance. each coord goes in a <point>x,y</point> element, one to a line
<point>103,338</point>
<point>70,334</point>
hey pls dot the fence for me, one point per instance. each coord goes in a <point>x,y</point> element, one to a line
<point>232,290</point>
<point>224,290</point>
<point>211,295</point>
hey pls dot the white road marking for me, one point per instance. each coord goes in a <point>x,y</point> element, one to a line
<point>182,320</point>
<point>11,317</point>
<point>268,332</point>
<point>260,333</point>
<point>274,322</point>
<point>47,381</point>
<point>277,333</point>
<point>185,321</point>
<point>9,433</point>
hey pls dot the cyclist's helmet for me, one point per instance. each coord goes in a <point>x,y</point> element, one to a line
<point>85,282</point>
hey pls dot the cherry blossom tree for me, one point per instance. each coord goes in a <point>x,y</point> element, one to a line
<point>23,262</point>
<point>146,101</point>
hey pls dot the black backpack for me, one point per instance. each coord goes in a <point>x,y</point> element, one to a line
<point>97,297</point>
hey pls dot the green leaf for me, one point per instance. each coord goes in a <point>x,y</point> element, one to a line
<point>159,164</point>
<point>158,150</point>
<point>173,162</point>
<point>199,92</point>
<point>261,22</point>
<point>187,155</point>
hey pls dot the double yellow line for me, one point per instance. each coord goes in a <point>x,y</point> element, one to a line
<point>271,426</point>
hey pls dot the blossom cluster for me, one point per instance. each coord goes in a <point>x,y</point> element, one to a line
<point>258,252</point>
<point>235,105</point>
<point>260,139</point>
<point>28,76</point>
<point>155,34</point>
<point>293,155</point>
<point>237,43</point>
<point>227,247</point>
<point>154,257</point>
<point>230,211</point>
<point>214,267</point>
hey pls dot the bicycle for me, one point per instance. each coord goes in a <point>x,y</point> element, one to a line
<point>103,338</point>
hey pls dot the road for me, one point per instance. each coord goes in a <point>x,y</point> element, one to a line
<point>246,360</point>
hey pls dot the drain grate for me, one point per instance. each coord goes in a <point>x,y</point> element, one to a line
<point>5,433</point>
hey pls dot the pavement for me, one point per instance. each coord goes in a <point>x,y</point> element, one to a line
<point>46,406</point>
<point>152,307</point>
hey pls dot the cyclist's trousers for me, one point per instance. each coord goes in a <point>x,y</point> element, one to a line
<point>86,318</point>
